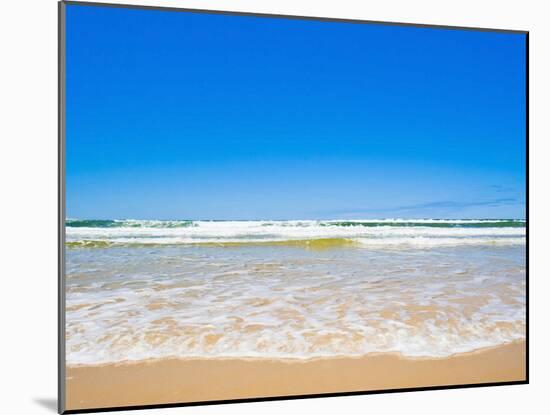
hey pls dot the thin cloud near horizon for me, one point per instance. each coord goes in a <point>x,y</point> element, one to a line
<point>447,204</point>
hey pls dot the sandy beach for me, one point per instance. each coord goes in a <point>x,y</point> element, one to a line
<point>172,312</point>
<point>192,380</point>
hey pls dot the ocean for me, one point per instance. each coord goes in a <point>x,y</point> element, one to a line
<point>295,289</point>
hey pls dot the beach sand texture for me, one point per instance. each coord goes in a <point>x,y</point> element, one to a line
<point>192,380</point>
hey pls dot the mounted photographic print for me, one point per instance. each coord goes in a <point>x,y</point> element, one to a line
<point>261,206</point>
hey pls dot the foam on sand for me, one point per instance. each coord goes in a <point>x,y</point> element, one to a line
<point>417,291</point>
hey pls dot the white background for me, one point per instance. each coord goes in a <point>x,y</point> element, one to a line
<point>28,170</point>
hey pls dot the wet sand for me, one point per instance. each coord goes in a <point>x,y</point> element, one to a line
<point>192,380</point>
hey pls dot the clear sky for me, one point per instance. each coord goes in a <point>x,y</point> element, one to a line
<point>194,116</point>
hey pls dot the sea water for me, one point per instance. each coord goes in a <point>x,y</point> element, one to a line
<point>138,290</point>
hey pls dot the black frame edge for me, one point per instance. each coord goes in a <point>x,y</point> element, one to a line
<point>292,397</point>
<point>287,16</point>
<point>527,206</point>
<point>61,369</point>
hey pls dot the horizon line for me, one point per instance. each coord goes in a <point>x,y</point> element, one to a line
<point>295,219</point>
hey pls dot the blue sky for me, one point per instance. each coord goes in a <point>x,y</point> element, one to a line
<point>195,116</point>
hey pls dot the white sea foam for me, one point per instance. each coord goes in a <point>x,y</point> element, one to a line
<point>184,301</point>
<point>426,242</point>
<point>417,232</point>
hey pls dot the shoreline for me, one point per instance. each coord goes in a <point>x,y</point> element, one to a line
<point>398,355</point>
<point>181,380</point>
